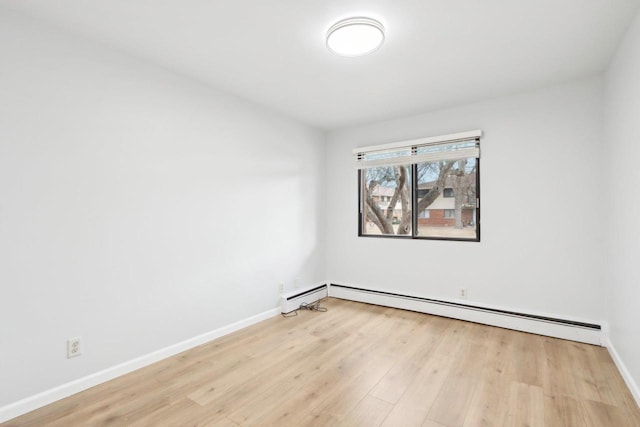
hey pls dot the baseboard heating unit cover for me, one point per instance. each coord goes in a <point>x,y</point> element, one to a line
<point>292,300</point>
<point>590,333</point>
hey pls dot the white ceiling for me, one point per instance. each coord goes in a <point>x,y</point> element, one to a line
<point>437,53</point>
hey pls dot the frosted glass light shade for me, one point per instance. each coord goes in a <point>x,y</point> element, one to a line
<point>355,36</point>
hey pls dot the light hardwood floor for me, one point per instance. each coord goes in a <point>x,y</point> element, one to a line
<point>362,365</point>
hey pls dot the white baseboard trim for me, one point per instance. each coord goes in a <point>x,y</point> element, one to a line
<point>628,379</point>
<point>558,327</point>
<point>49,396</point>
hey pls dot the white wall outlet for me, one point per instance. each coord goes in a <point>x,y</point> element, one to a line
<point>463,292</point>
<point>74,347</point>
<point>296,283</point>
<point>281,287</point>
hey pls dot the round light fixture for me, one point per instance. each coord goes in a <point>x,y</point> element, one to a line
<point>355,36</point>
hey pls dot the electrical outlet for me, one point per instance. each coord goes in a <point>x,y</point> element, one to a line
<point>463,292</point>
<point>296,283</point>
<point>281,287</point>
<point>74,347</point>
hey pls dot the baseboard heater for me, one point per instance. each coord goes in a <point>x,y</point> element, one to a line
<point>292,300</point>
<point>590,333</point>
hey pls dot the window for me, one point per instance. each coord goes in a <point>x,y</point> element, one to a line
<point>430,188</point>
<point>386,218</point>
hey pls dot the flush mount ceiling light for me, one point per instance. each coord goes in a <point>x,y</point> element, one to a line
<point>355,36</point>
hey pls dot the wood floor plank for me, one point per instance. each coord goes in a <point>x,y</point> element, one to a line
<point>609,381</point>
<point>414,405</point>
<point>393,385</point>
<point>525,406</point>
<point>558,379</point>
<point>530,365</point>
<point>613,379</point>
<point>170,415</point>
<point>452,404</point>
<point>370,411</point>
<point>360,364</point>
<point>562,411</point>
<point>118,408</point>
<point>490,397</point>
<point>588,376</point>
<point>601,414</point>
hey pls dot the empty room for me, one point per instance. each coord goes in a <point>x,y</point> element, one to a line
<point>319,213</point>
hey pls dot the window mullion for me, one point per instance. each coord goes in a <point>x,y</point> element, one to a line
<point>361,231</point>
<point>414,200</point>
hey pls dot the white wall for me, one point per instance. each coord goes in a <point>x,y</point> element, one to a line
<point>541,176</point>
<point>622,219</point>
<point>137,208</point>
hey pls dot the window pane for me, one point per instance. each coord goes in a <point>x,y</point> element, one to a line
<point>446,199</point>
<point>386,204</point>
